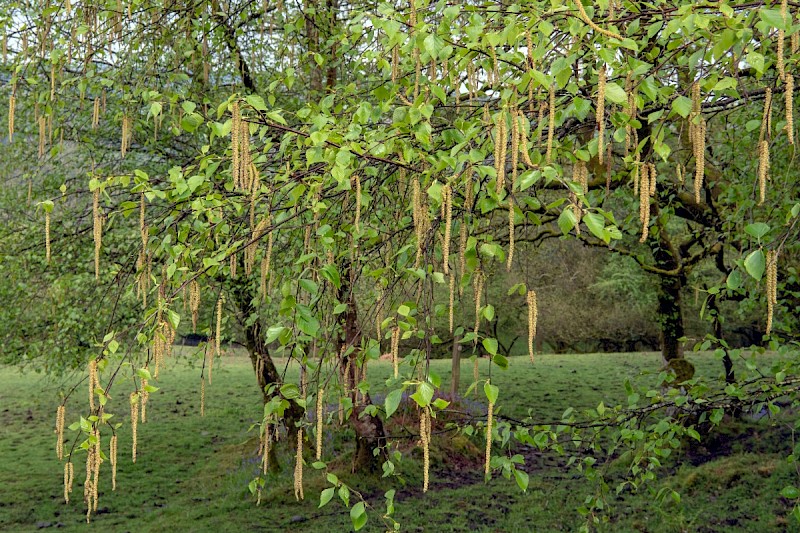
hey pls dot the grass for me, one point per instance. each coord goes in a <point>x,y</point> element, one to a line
<point>192,473</point>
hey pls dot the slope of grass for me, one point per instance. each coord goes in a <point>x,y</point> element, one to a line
<point>192,473</point>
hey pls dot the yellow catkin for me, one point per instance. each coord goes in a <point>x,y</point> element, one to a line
<point>452,300</point>
<point>489,415</point>
<point>515,142</point>
<point>766,117</point>
<point>69,476</point>
<point>60,412</point>
<point>780,62</point>
<point>462,253</point>
<point>447,202</point>
<point>202,396</point>
<point>644,202</point>
<point>652,179</point>
<point>600,112</point>
<point>47,235</point>
<point>772,287</point>
<point>477,281</point>
<point>320,398</point>
<point>93,382</point>
<point>763,170</point>
<point>144,396</point>
<point>98,460</point>
<point>236,131</point>
<point>97,231</point>
<point>42,135</point>
<point>789,99</point>
<point>298,468</point>
<point>533,317</point>
<point>551,124</point>
<point>424,437</point>
<point>357,221</point>
<point>134,401</point>
<point>510,257</point>
<point>523,141</point>
<point>113,456</point>
<point>417,217</point>
<point>194,302</point>
<point>11,108</point>
<point>699,158</point>
<point>96,114</point>
<point>218,333</point>
<point>595,27</point>
<point>127,135</point>
<point>501,141</point>
<point>395,349</point>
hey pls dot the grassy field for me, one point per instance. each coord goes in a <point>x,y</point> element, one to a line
<point>192,473</point>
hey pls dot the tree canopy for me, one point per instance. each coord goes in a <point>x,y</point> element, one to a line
<point>331,180</point>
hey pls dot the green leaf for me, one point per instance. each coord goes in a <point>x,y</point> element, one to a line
<point>682,106</point>
<point>358,515</point>
<point>290,391</point>
<point>490,345</point>
<point>757,229</point>
<point>773,18</point>
<point>424,394</point>
<point>615,93</point>
<point>522,479</point>
<point>755,263</point>
<point>791,492</point>
<point>256,102</point>
<point>392,401</point>
<point>331,273</point>
<point>491,391</point>
<point>567,220</point>
<point>403,310</point>
<point>326,496</point>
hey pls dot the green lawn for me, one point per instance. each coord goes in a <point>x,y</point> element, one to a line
<point>192,473</point>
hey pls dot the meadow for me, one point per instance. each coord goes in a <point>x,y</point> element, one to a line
<point>192,472</point>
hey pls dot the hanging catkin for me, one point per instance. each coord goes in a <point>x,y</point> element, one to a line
<point>134,401</point>
<point>551,124</point>
<point>11,108</point>
<point>510,257</point>
<point>60,413</point>
<point>447,204</point>
<point>218,334</point>
<point>523,141</point>
<point>93,382</point>
<point>500,142</point>
<point>789,98</point>
<point>47,235</point>
<point>780,62</point>
<point>395,350</point>
<point>763,170</point>
<point>489,416</point>
<point>113,457</point>
<point>644,201</point>
<point>97,231</point>
<point>320,395</point>
<point>477,281</point>
<point>595,27</point>
<point>69,477</point>
<point>452,299</point>
<point>533,317</point>
<point>194,302</point>
<point>699,157</point>
<point>425,440</point>
<point>771,286</point>
<point>298,467</point>
<point>600,112</point>
<point>515,142</point>
<point>766,118</point>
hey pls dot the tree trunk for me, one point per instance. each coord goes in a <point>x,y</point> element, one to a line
<point>263,365</point>
<point>369,430</point>
<point>456,368</point>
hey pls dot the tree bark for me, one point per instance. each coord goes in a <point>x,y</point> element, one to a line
<point>263,365</point>
<point>369,429</point>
